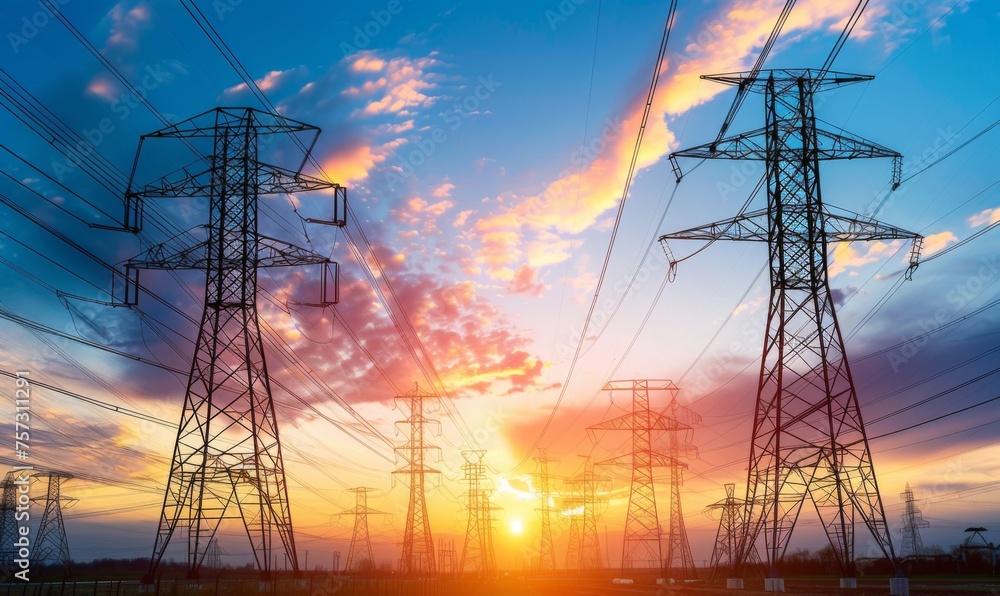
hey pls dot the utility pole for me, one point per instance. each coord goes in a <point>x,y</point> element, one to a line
<point>227,461</point>
<point>808,437</point>
<point>418,543</point>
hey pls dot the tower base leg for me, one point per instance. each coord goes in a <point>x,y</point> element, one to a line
<point>734,583</point>
<point>774,584</point>
<point>849,583</point>
<point>899,586</point>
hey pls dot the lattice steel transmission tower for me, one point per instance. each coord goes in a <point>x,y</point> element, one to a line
<point>727,538</point>
<point>547,551</point>
<point>51,544</point>
<point>478,547</point>
<point>213,558</point>
<point>808,437</point>
<point>585,543</point>
<point>446,557</point>
<point>641,546</point>
<point>678,545</point>
<point>913,520</point>
<point>8,525</point>
<point>418,543</point>
<point>575,547</point>
<point>227,461</point>
<point>360,557</point>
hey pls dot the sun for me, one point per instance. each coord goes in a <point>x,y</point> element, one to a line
<point>516,526</point>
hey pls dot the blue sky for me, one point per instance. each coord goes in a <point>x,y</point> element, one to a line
<point>484,147</point>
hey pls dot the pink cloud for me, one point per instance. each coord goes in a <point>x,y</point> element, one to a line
<point>126,24</point>
<point>985,218</point>
<point>576,200</point>
<point>523,282</point>
<point>443,190</point>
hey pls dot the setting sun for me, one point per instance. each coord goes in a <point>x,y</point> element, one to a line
<point>516,526</point>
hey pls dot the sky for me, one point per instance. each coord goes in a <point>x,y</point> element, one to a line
<point>485,148</point>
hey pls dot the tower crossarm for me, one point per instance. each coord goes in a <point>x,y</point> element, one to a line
<point>749,227</point>
<point>657,460</point>
<point>271,179</point>
<point>854,228</point>
<point>633,421</point>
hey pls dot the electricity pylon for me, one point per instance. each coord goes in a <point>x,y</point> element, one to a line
<point>418,543</point>
<point>678,545</point>
<point>574,549</point>
<point>446,557</point>
<point>8,525</point>
<point>588,484</point>
<point>547,551</point>
<point>51,544</point>
<point>227,461</point>
<point>641,543</point>
<point>808,437</point>
<point>912,522</point>
<point>727,538</point>
<point>478,548</point>
<point>213,558</point>
<point>360,556</point>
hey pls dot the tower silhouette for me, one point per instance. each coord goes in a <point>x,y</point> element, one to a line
<point>585,543</point>
<point>912,519</point>
<point>360,557</point>
<point>678,545</point>
<point>641,546</point>
<point>418,543</point>
<point>478,548</point>
<point>727,539</point>
<point>547,551</point>
<point>227,461</point>
<point>8,525</point>
<point>808,437</point>
<point>51,544</point>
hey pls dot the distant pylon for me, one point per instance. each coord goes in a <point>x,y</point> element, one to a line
<point>360,557</point>
<point>641,543</point>
<point>574,549</point>
<point>912,522</point>
<point>51,544</point>
<point>678,545</point>
<point>589,484</point>
<point>478,548</point>
<point>227,461</point>
<point>808,438</point>
<point>213,558</point>
<point>8,525</point>
<point>727,538</point>
<point>547,551</point>
<point>446,557</point>
<point>418,543</point>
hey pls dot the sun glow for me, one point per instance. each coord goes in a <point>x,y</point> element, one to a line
<point>516,527</point>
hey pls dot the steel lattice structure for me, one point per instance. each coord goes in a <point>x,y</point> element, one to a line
<point>547,551</point>
<point>418,543</point>
<point>584,539</point>
<point>478,548</point>
<point>808,438</point>
<point>912,520</point>
<point>360,557</point>
<point>446,556</point>
<point>727,539</point>
<point>678,545</point>
<point>227,461</point>
<point>51,544</point>
<point>641,546</point>
<point>8,527</point>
